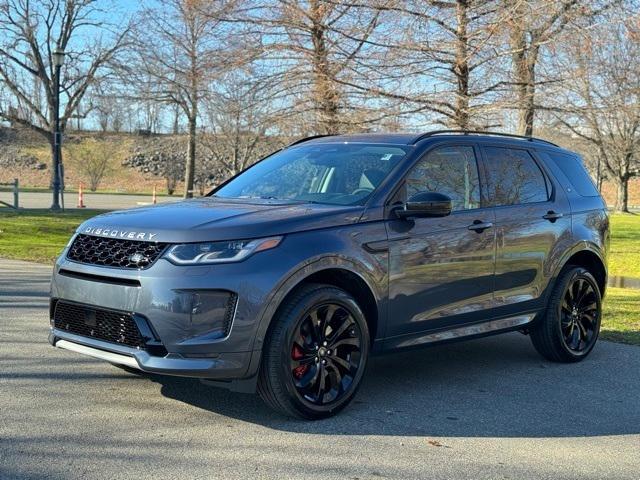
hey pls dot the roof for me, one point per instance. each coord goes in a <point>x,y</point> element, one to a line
<point>412,138</point>
<point>391,138</point>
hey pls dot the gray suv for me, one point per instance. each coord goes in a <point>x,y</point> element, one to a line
<point>287,277</point>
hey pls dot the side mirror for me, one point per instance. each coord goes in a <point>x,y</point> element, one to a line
<point>425,204</point>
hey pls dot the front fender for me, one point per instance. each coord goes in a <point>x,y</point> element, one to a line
<point>372,276</point>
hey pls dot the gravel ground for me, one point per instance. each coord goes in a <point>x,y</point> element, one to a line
<point>488,408</point>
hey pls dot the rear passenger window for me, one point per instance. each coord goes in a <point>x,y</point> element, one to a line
<point>452,171</point>
<point>575,171</point>
<point>513,177</point>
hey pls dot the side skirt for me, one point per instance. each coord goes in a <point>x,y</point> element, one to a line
<point>463,332</point>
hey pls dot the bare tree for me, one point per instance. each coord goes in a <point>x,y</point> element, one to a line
<point>533,25</point>
<point>103,113</point>
<point>107,108</point>
<point>436,58</point>
<point>92,158</point>
<point>599,101</point>
<point>310,49</point>
<point>238,118</point>
<point>29,34</point>
<point>183,45</point>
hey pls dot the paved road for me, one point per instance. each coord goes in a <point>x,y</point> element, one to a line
<point>91,200</point>
<point>489,408</point>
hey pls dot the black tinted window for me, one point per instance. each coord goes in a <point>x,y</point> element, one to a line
<point>575,171</point>
<point>513,177</point>
<point>452,171</point>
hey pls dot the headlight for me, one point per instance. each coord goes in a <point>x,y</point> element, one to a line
<point>218,252</point>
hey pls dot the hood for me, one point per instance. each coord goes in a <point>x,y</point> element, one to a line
<point>212,219</point>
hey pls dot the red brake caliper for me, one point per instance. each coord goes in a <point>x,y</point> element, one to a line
<point>297,354</point>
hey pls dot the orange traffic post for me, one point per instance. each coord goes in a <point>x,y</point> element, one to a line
<point>80,198</point>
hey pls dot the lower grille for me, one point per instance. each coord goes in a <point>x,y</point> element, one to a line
<point>101,324</point>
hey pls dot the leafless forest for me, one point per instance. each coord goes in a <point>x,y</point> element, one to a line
<point>239,78</point>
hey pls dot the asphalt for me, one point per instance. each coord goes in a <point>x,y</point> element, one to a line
<point>489,408</point>
<point>102,201</point>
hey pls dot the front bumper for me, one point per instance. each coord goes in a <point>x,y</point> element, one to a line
<point>223,366</point>
<point>193,348</point>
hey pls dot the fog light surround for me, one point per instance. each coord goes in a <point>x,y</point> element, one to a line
<point>211,312</point>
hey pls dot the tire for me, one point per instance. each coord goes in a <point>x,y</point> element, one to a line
<point>297,363</point>
<point>564,333</point>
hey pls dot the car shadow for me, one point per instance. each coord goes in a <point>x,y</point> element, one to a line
<point>492,387</point>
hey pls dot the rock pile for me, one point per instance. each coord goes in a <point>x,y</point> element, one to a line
<point>13,158</point>
<point>166,157</point>
<point>161,159</point>
<point>157,162</point>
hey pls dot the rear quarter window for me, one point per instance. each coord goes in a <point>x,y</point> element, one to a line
<point>574,169</point>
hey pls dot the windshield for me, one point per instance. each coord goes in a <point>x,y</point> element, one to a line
<point>339,174</point>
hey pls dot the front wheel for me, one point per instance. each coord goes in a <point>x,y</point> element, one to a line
<point>315,354</point>
<point>569,329</point>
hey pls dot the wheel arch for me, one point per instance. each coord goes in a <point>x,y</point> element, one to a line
<point>354,285</point>
<point>337,271</point>
<point>587,256</point>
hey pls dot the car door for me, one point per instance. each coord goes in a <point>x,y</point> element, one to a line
<point>532,226</point>
<point>441,269</point>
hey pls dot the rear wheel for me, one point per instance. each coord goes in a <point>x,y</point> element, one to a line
<point>315,354</point>
<point>569,329</point>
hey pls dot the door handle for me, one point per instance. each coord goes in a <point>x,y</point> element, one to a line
<point>552,216</point>
<point>480,226</point>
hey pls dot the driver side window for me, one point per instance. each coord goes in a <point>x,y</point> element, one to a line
<point>452,171</point>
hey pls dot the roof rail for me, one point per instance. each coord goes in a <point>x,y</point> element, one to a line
<point>306,139</point>
<point>479,132</point>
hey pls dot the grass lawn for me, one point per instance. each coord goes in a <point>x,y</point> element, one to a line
<point>39,236</point>
<point>621,317</point>
<point>624,256</point>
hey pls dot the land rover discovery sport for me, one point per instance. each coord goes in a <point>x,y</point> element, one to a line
<point>286,278</point>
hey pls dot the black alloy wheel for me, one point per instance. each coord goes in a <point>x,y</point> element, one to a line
<point>315,353</point>
<point>568,329</point>
<point>325,353</point>
<point>579,315</point>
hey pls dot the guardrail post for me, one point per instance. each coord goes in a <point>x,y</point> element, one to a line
<point>16,192</point>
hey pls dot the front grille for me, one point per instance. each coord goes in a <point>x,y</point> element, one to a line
<point>114,252</point>
<point>101,324</point>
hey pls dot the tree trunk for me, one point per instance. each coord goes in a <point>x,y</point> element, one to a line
<point>622,196</point>
<point>190,164</point>
<point>461,68</point>
<point>524,58</point>
<point>176,120</point>
<point>326,96</point>
<point>527,104</point>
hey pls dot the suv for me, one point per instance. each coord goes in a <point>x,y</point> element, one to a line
<point>287,277</point>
